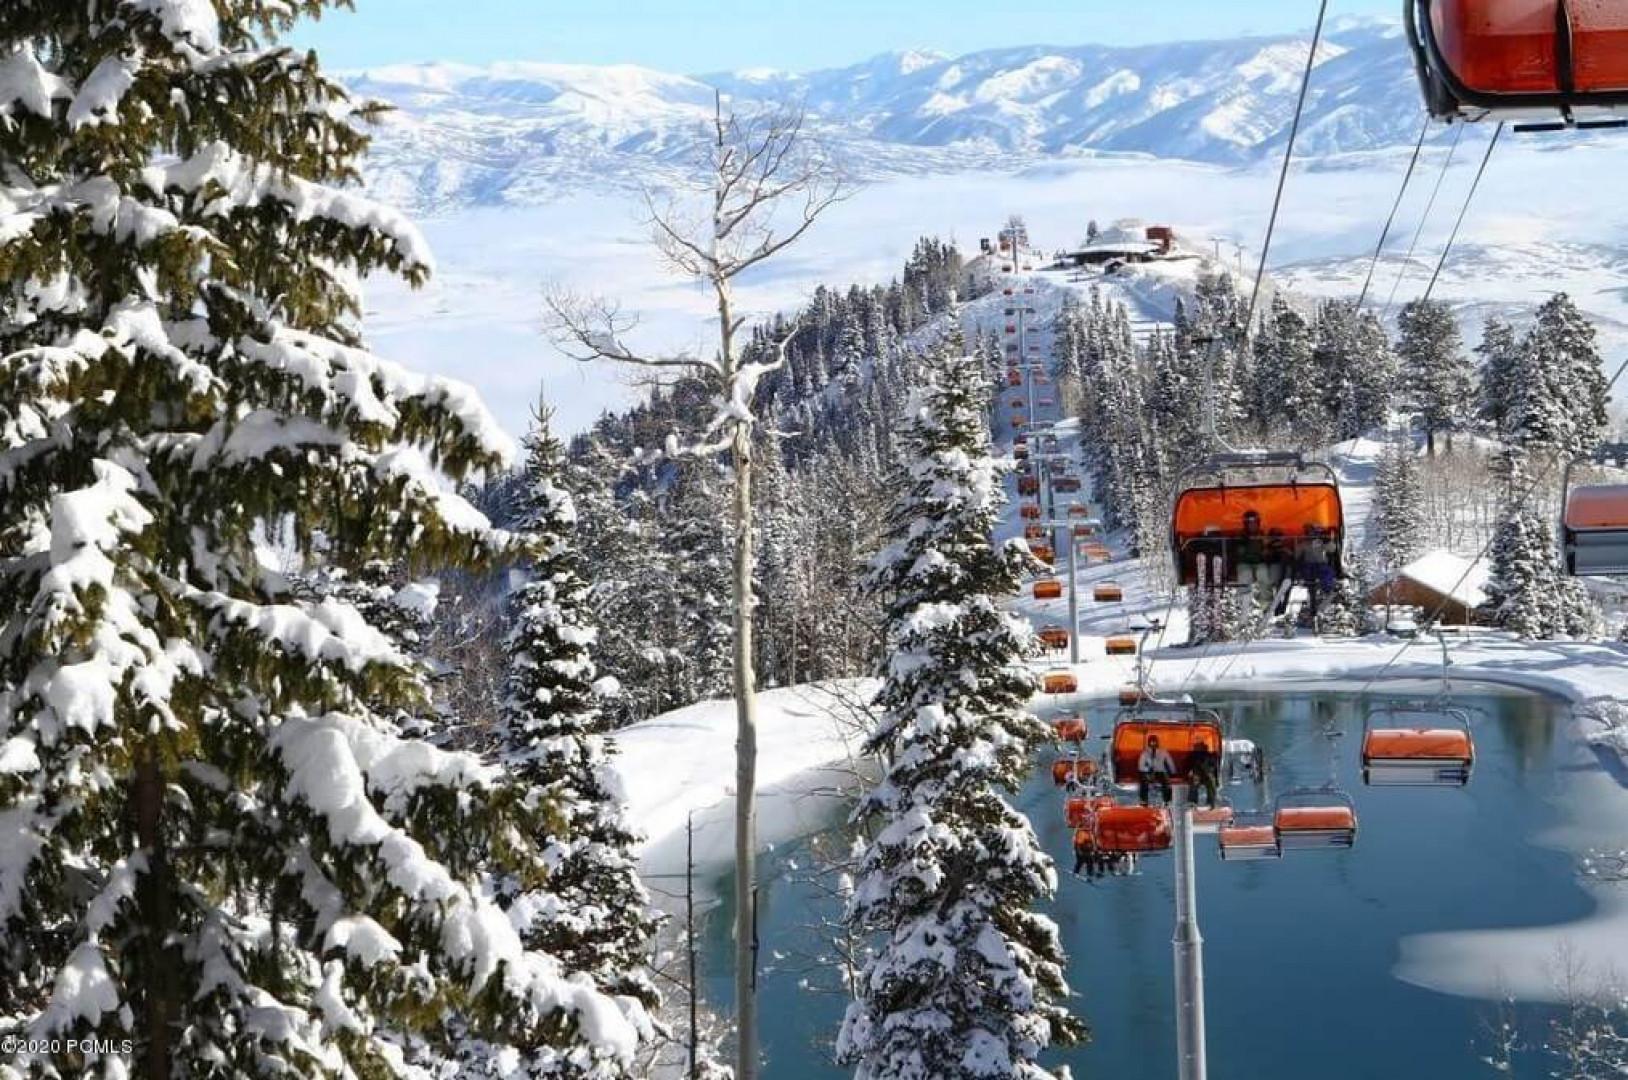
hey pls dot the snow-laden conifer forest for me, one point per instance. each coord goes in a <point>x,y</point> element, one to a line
<point>853,667</point>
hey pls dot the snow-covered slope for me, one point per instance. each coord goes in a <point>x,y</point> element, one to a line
<point>520,132</point>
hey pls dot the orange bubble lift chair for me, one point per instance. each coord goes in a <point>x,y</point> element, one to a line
<point>1109,592</point>
<point>1078,810</point>
<point>1048,588</point>
<point>1179,725</point>
<point>1594,530</point>
<point>1425,745</point>
<point>1315,819</point>
<point>1053,637</point>
<point>1247,841</point>
<point>1060,681</point>
<point>1545,64</point>
<point>1126,830</point>
<point>1070,729</point>
<point>1302,506</point>
<point>1076,770</point>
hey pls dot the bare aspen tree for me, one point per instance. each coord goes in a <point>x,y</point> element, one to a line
<point>766,185</point>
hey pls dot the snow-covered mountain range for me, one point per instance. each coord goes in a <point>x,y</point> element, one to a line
<point>518,133</point>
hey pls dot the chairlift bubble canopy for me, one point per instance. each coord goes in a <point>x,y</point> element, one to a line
<point>1548,63</point>
<point>1179,726</point>
<point>1594,530</point>
<point>1214,499</point>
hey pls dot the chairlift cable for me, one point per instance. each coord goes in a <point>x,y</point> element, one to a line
<point>1384,234</point>
<point>1424,219</point>
<point>1283,174</point>
<point>1463,210</point>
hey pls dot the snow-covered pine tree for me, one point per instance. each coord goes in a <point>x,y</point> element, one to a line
<point>695,599</point>
<point>1356,369</point>
<point>403,611</point>
<point>1527,593</point>
<point>1344,611</point>
<point>967,980</point>
<point>1557,397</point>
<point>1286,378</point>
<point>1436,377</point>
<point>1496,385</point>
<point>591,911</point>
<point>1399,518</point>
<point>221,857</point>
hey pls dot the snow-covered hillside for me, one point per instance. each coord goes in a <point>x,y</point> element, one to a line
<point>519,133</point>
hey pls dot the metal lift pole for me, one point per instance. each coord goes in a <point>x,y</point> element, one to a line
<point>1187,945</point>
<point>1073,599</point>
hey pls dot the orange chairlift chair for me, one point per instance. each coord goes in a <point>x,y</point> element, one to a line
<point>1131,830</point>
<point>1048,589</point>
<point>1053,637</point>
<point>1248,838</point>
<point>1420,744</point>
<point>1298,514</point>
<point>1108,592</point>
<point>1076,770</point>
<point>1060,681</point>
<point>1179,725</point>
<point>1120,645</point>
<point>1070,729</point>
<point>1315,819</point>
<point>1078,810</point>
<point>1545,64</point>
<point>1594,529</point>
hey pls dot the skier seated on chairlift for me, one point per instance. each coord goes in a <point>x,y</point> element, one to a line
<point>1315,567</point>
<point>1095,864</point>
<point>1201,770</point>
<point>1251,552</point>
<point>1155,766</point>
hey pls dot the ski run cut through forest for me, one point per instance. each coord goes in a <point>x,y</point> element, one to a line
<point>944,618</point>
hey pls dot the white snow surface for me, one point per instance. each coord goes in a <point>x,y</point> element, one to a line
<point>683,763</point>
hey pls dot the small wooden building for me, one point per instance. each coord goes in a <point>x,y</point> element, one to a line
<point>1438,581</point>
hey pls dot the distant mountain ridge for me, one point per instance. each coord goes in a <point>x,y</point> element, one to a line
<point>521,132</point>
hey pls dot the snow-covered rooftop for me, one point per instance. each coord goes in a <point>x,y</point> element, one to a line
<point>1442,572</point>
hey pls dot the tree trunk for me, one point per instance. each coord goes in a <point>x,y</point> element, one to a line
<point>745,769</point>
<point>153,897</point>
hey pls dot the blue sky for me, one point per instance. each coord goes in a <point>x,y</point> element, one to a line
<point>695,36</point>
